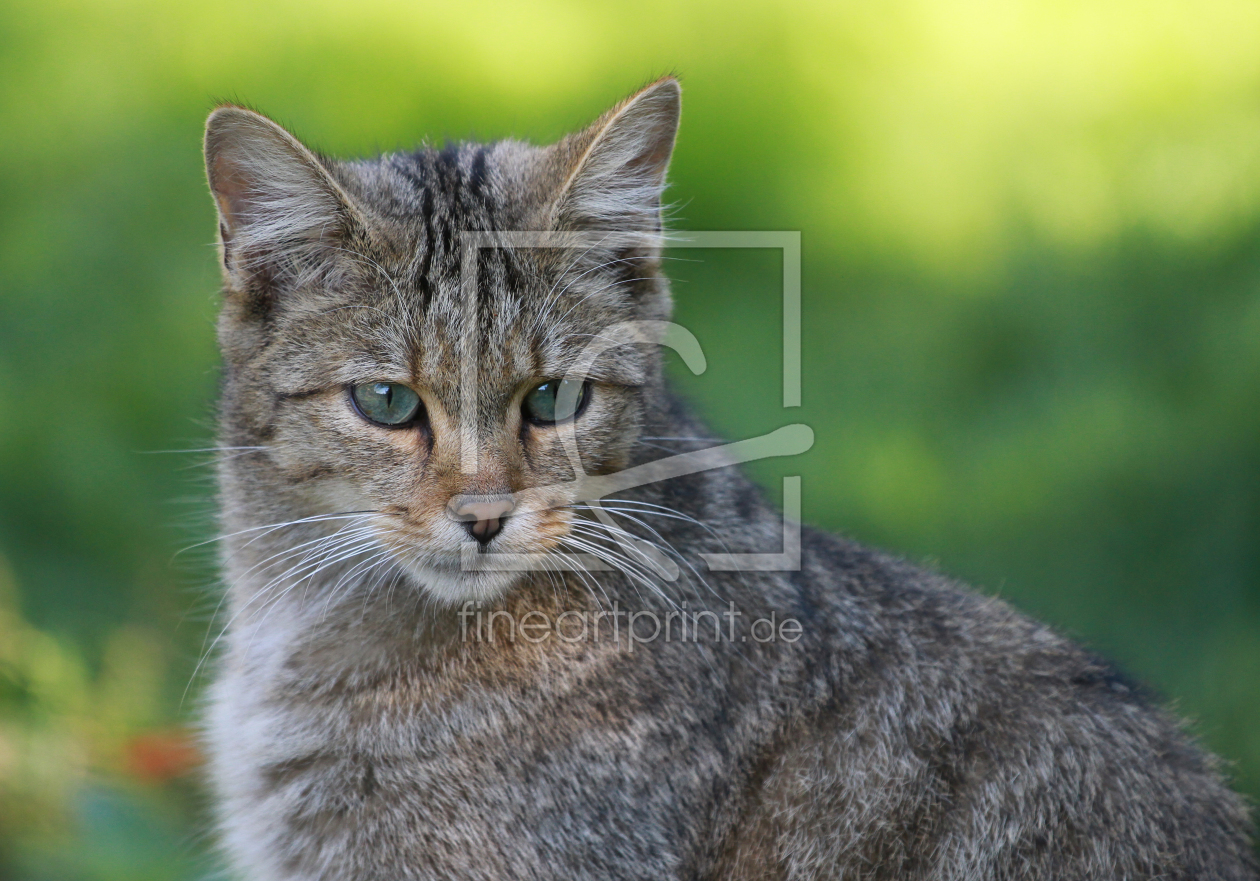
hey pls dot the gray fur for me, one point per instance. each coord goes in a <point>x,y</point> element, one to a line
<point>916,730</point>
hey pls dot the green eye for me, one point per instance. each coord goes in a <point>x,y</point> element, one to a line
<point>385,403</point>
<point>555,401</point>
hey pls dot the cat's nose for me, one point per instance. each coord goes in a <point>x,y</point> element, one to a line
<point>482,516</point>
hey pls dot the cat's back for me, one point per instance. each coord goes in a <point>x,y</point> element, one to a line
<point>960,738</point>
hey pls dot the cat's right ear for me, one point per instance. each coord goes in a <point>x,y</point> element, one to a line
<point>282,216</point>
<point>615,169</point>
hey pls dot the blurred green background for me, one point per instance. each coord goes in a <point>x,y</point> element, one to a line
<point>1031,257</point>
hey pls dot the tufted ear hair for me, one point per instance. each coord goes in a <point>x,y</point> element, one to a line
<point>282,216</point>
<point>616,167</point>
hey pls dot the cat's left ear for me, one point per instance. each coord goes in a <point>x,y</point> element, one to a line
<point>282,216</point>
<point>616,167</point>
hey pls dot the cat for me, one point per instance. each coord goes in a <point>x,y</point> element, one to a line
<point>426,673</point>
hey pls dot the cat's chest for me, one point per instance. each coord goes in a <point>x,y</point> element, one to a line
<point>465,772</point>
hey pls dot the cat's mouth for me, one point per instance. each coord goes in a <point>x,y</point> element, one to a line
<point>450,560</point>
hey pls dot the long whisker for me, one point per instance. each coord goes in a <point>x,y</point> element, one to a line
<point>655,510</point>
<point>268,528</point>
<point>661,543</point>
<point>587,578</point>
<point>340,534</point>
<point>197,450</point>
<point>327,561</point>
<point>584,546</point>
<point>315,560</point>
<point>285,553</point>
<point>636,569</point>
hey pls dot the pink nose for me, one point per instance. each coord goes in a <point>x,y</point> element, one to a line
<point>482,516</point>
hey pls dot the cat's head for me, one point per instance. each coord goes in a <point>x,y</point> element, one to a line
<point>393,344</point>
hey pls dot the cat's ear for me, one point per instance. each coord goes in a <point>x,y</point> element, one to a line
<point>282,217</point>
<point>616,167</point>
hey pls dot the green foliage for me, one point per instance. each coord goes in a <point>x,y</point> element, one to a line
<point>1031,239</point>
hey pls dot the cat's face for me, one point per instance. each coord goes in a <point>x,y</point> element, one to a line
<point>390,355</point>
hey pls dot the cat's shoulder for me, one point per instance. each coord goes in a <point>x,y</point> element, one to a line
<point>911,621</point>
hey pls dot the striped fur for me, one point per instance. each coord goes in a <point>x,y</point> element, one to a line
<point>915,730</point>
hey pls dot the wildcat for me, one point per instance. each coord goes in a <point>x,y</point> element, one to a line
<point>391,402</point>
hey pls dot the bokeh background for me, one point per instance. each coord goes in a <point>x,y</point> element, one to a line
<point>1031,261</point>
